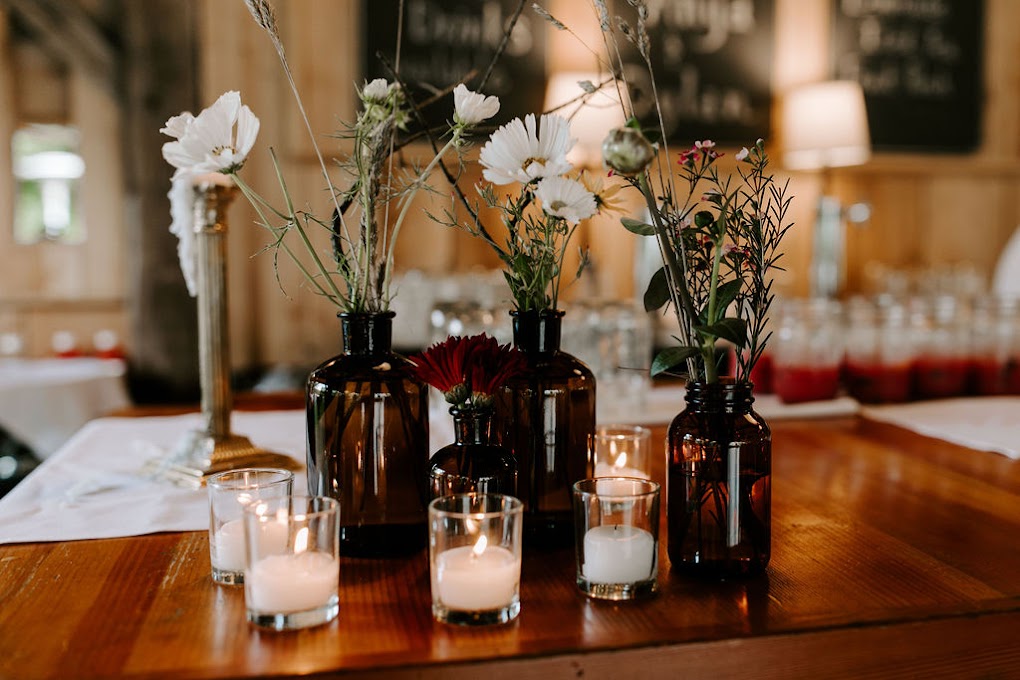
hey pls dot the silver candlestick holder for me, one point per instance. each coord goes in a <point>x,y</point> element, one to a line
<point>215,448</point>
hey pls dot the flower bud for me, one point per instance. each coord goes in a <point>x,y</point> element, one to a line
<point>626,151</point>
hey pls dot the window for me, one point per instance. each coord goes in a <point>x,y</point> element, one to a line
<point>47,173</point>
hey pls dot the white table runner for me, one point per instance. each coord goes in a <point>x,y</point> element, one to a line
<point>92,487</point>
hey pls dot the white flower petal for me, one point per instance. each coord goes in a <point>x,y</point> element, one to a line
<point>177,126</point>
<point>248,126</point>
<point>182,201</point>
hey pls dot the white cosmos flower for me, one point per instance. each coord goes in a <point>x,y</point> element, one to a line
<point>516,152</point>
<point>565,198</point>
<point>216,140</point>
<point>471,108</point>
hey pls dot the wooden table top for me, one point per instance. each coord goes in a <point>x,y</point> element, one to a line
<point>893,555</point>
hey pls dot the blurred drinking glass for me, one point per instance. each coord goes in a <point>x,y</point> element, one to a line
<point>807,350</point>
<point>879,352</point>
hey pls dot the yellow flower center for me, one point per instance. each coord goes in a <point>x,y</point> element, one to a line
<point>527,163</point>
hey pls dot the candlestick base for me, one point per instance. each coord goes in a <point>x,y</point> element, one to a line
<point>200,455</point>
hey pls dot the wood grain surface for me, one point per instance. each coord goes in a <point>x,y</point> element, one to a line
<point>894,555</point>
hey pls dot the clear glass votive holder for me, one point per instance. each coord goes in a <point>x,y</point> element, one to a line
<point>616,523</point>
<point>229,492</point>
<point>292,578</point>
<point>475,558</point>
<point>623,451</point>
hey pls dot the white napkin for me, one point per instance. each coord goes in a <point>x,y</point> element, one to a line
<point>92,487</point>
<point>983,423</point>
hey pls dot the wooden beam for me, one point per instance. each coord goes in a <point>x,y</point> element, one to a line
<point>71,35</point>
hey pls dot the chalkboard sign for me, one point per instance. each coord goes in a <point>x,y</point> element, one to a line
<point>712,63</point>
<point>443,40</point>
<point>919,64</point>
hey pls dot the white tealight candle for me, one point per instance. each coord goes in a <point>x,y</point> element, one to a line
<point>472,580</point>
<point>228,545</point>
<point>607,470</point>
<point>292,583</point>
<point>616,553</point>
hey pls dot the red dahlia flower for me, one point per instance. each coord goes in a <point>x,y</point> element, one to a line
<point>467,370</point>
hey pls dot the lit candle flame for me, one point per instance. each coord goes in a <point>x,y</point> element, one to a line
<point>620,461</point>
<point>480,546</point>
<point>301,540</point>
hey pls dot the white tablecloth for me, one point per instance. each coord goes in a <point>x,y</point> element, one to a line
<point>44,401</point>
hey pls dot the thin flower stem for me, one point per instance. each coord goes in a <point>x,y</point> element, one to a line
<point>502,44</point>
<point>683,305</point>
<point>480,229</point>
<point>278,45</point>
<point>257,202</point>
<point>301,231</point>
<point>408,199</point>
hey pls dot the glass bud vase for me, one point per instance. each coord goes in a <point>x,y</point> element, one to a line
<point>473,462</point>
<point>546,418</point>
<point>719,460</point>
<point>368,439</point>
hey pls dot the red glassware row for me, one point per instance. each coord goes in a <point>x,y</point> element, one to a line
<point>923,378</point>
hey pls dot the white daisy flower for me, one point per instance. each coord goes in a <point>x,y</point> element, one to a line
<point>216,140</point>
<point>565,198</point>
<point>471,108</point>
<point>516,152</point>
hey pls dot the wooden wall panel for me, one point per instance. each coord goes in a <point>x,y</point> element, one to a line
<point>927,210</point>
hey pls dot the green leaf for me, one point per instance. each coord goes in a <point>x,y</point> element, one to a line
<point>703,218</point>
<point>732,329</point>
<point>727,293</point>
<point>637,227</point>
<point>633,123</point>
<point>657,293</point>
<point>671,357</point>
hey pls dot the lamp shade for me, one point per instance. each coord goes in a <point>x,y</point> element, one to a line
<point>825,125</point>
<point>591,118</point>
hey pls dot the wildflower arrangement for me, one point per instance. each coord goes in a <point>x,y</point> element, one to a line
<point>468,370</point>
<point>541,216</point>
<point>369,204</point>
<point>719,235</point>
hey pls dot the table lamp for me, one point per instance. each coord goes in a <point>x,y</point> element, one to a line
<point>825,126</point>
